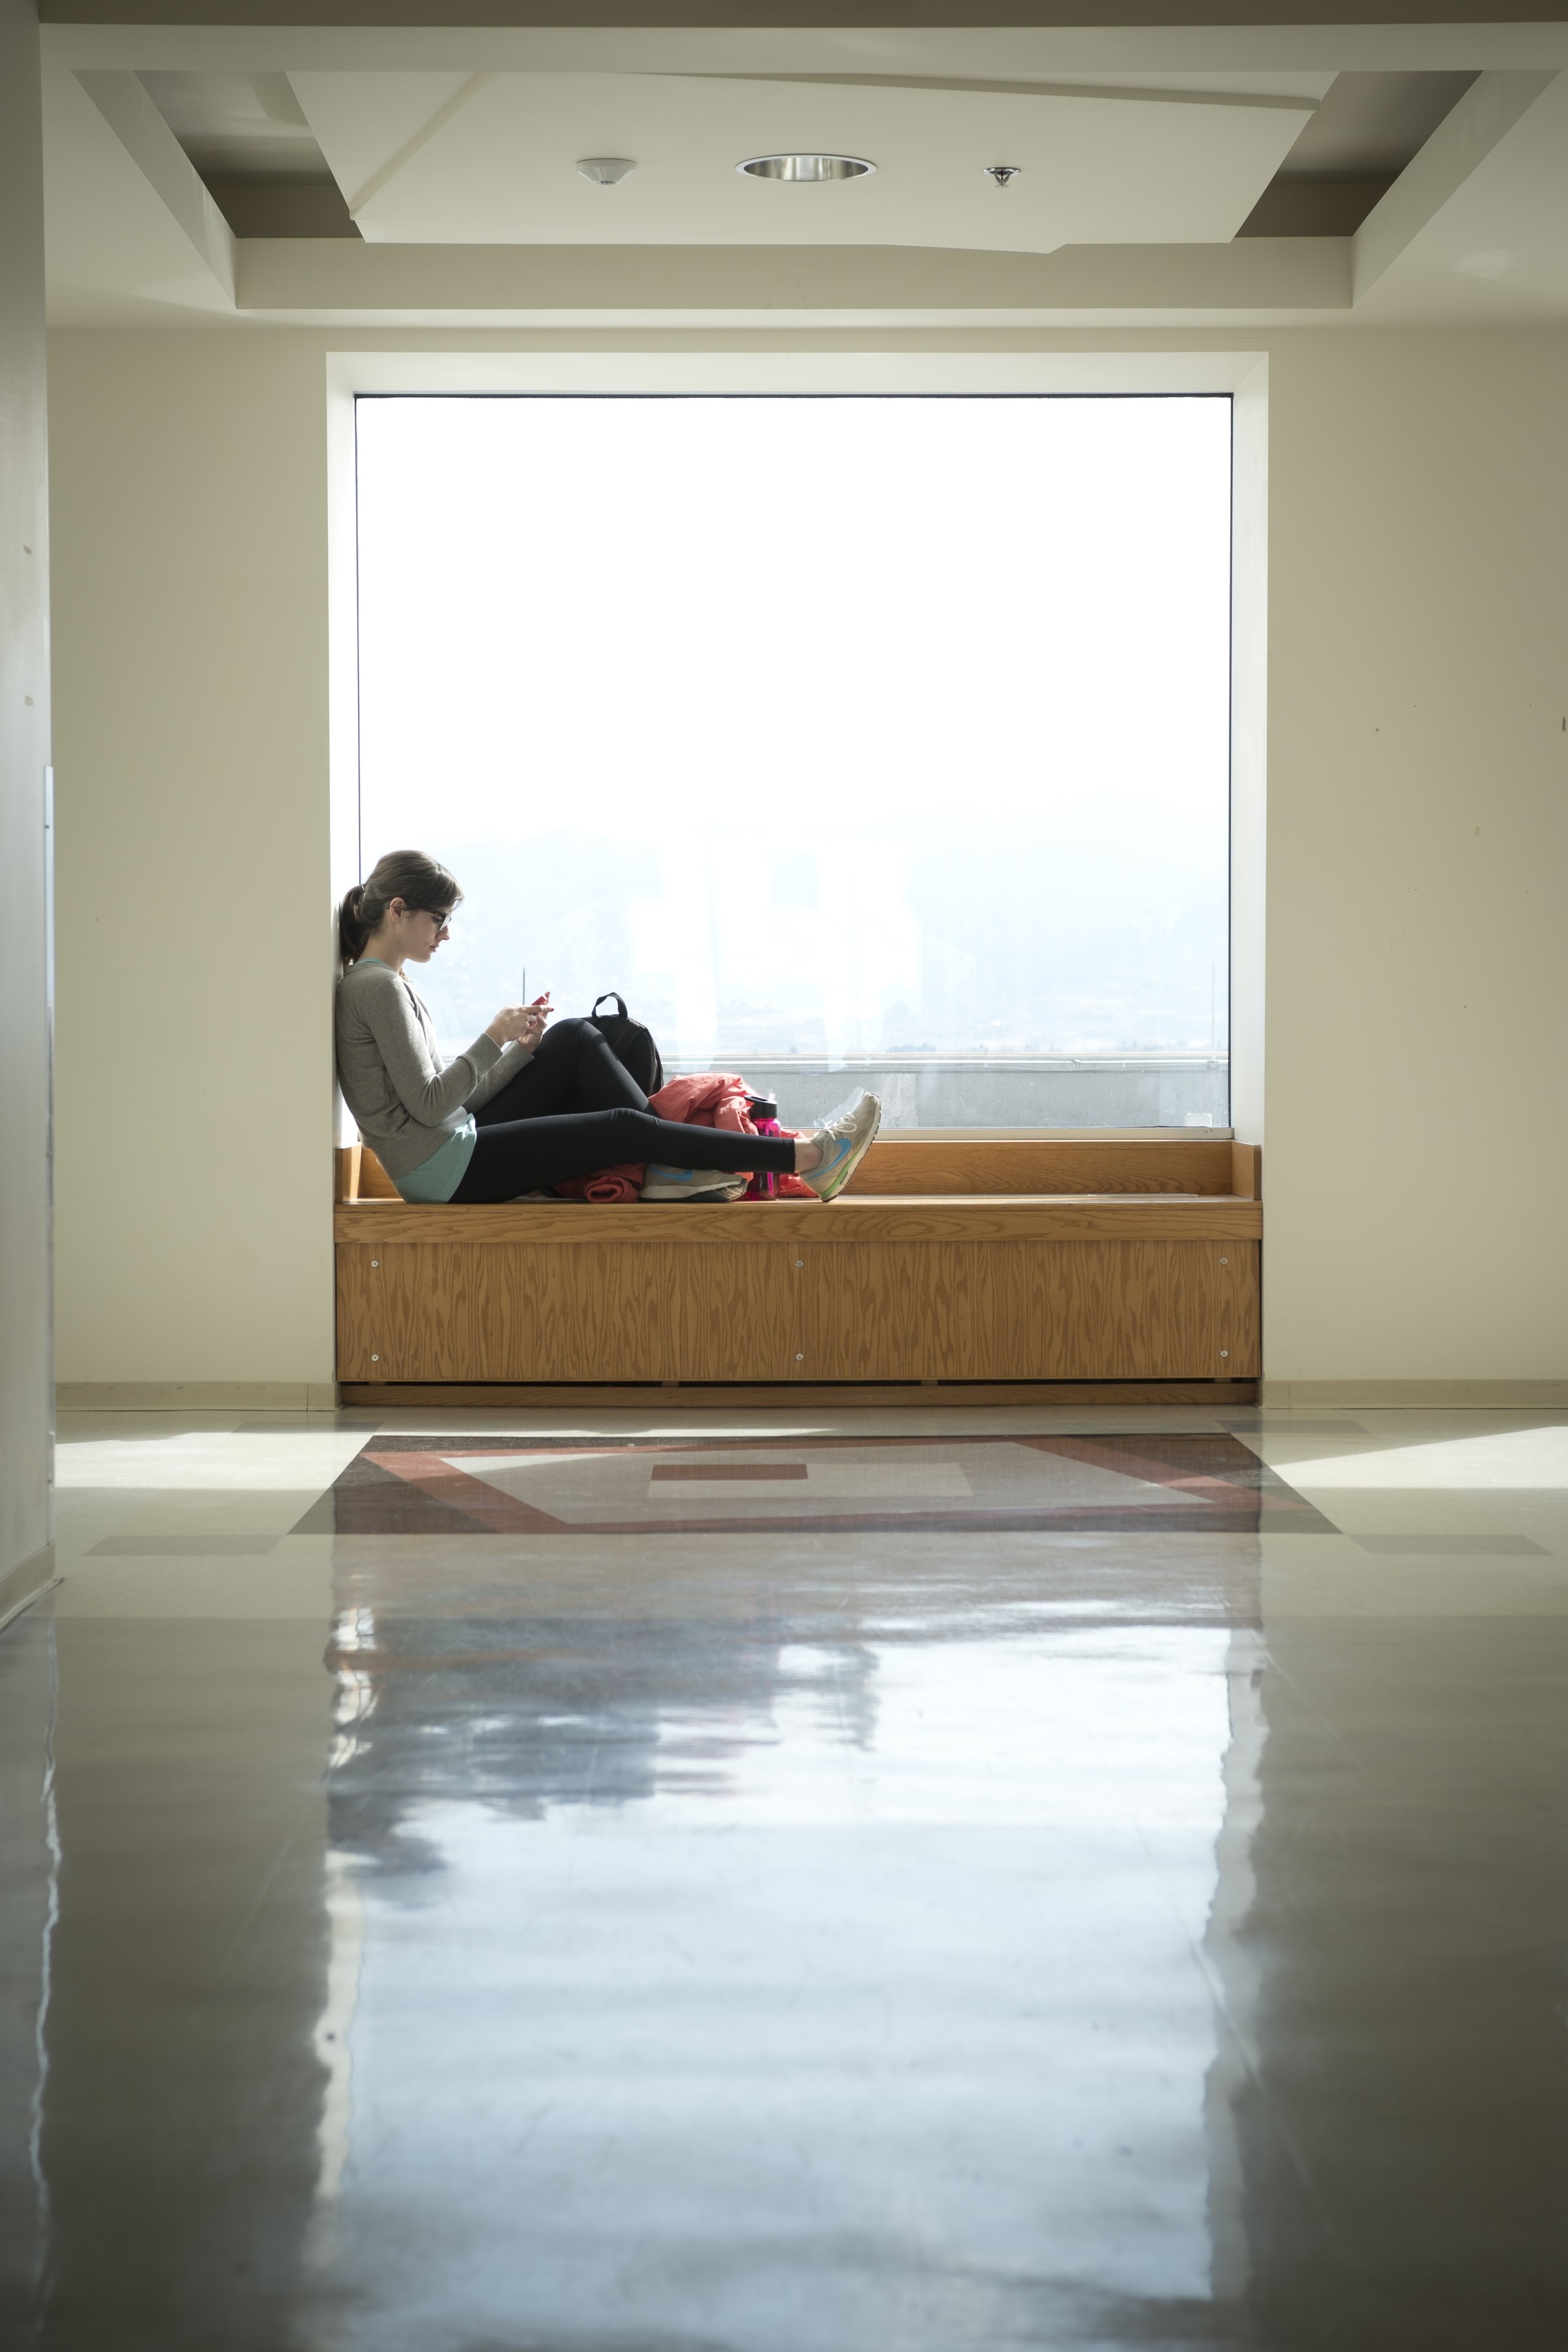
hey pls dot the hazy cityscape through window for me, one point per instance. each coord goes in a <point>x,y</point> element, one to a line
<point>843,736</point>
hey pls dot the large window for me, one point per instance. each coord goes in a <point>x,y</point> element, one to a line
<point>844,735</point>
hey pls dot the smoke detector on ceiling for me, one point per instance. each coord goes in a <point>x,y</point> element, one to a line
<point>606,170</point>
<point>1003,172</point>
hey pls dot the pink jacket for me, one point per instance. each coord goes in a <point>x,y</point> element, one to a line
<point>711,1098</point>
<point>718,1099</point>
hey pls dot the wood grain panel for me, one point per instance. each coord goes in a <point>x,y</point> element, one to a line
<point>884,1310</point>
<point>1238,1324</point>
<point>650,1226</point>
<point>1011,1310</point>
<point>374,1183</point>
<point>522,1314</point>
<point>435,1311</point>
<point>356,1318</point>
<point>389,1302</point>
<point>606,1313</point>
<point>737,1312</point>
<point>1247,1170</point>
<point>898,1165</point>
<point>1125,1310</point>
<point>1160,1163</point>
<point>595,1313</point>
<point>446,1312</point>
<point>907,1294</point>
<point>360,1176</point>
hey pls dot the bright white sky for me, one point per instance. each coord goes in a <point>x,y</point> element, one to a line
<point>842,725</point>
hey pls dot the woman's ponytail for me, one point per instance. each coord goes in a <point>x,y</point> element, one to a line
<point>352,932</point>
<point>405,874</point>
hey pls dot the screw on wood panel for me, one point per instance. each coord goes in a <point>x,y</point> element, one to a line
<point>1224,1261</point>
<point>800,1359</point>
<point>375,1261</point>
<point>375,1359</point>
<point>1223,1353</point>
<point>800,1261</point>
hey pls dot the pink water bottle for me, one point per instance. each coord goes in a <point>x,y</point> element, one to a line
<point>764,1114</point>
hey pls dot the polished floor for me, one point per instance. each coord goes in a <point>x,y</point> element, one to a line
<point>862,1883</point>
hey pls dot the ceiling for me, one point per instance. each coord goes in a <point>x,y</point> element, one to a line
<point>233,175</point>
<point>431,159</point>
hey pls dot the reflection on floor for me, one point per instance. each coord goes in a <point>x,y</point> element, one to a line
<point>1182,1483</point>
<point>1012,1879</point>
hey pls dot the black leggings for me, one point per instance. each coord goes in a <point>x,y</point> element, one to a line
<point>576,1109</point>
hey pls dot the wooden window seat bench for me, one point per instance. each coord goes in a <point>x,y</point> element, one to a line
<point>1077,1268</point>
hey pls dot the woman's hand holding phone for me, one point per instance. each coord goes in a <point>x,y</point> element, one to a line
<point>522,1025</point>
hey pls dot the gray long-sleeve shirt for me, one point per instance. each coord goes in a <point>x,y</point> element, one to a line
<point>405,1104</point>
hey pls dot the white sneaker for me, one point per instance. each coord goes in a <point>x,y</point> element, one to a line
<point>691,1185</point>
<point>845,1142</point>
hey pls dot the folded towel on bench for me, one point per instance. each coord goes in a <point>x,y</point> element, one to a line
<point>609,1184</point>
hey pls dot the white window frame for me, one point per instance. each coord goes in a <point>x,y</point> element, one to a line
<point>1242,375</point>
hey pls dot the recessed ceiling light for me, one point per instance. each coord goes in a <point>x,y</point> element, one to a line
<point>606,170</point>
<point>805,167</point>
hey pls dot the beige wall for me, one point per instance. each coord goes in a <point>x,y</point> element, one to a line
<point>195,1088</point>
<point>1416,1116</point>
<point>1417,957</point>
<point>26,1408</point>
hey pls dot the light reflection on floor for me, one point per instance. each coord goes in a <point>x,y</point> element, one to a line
<point>851,1987</point>
<point>790,1942</point>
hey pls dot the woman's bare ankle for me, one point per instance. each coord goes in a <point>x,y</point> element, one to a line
<point>807,1155</point>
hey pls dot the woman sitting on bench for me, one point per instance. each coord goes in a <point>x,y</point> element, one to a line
<point>522,1108</point>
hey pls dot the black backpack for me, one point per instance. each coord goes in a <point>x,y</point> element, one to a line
<point>631,1044</point>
